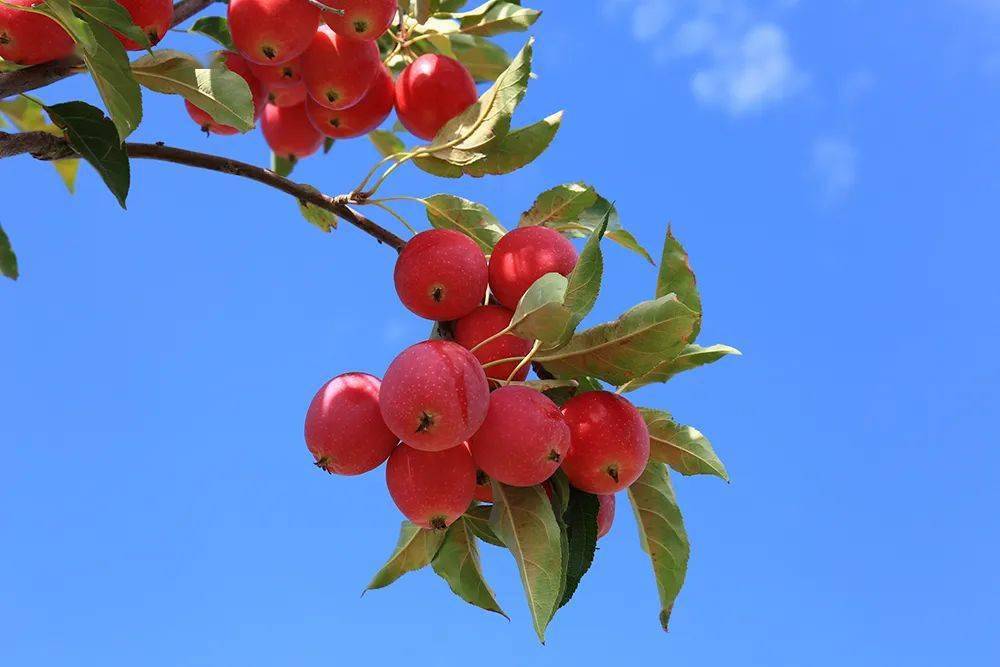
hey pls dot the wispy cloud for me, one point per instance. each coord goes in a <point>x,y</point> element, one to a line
<point>834,162</point>
<point>742,61</point>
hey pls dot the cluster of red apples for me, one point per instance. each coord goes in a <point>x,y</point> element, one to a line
<point>449,415</point>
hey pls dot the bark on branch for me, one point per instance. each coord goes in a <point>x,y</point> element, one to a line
<point>39,76</point>
<point>44,146</point>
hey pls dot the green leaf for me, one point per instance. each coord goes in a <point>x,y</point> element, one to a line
<point>215,28</point>
<point>620,351</point>
<point>450,5</point>
<point>26,115</point>
<point>281,165</point>
<point>106,61</point>
<point>516,149</point>
<point>67,170</point>
<point>114,16</point>
<point>461,215</point>
<point>544,385</point>
<point>522,517</point>
<point>438,167</point>
<point>683,448</point>
<point>494,18</point>
<point>561,204</point>
<point>676,276</point>
<point>223,95</point>
<point>8,260</point>
<point>661,533</point>
<point>95,138</point>
<point>457,562</point>
<point>322,218</point>
<point>422,9</point>
<point>485,60</point>
<point>327,144</point>
<point>691,356</point>
<point>386,143</point>
<point>415,549</point>
<point>477,518</point>
<point>462,139</point>
<point>581,532</point>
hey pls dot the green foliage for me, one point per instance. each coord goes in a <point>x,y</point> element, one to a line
<point>690,357</point>
<point>581,531</point>
<point>477,518</point>
<point>215,28</point>
<point>474,220</point>
<point>281,165</point>
<point>683,448</point>
<point>415,549</point>
<point>320,217</point>
<point>457,562</point>
<point>95,138</point>
<point>114,16</point>
<point>493,17</point>
<point>677,276</point>
<point>26,115</point>
<point>386,143</point>
<point>8,260</point>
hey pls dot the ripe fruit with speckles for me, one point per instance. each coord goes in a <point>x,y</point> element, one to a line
<point>486,321</point>
<point>152,16</point>
<point>434,395</point>
<point>359,119</point>
<point>338,71</point>
<point>610,442</point>
<point>235,63</point>
<point>27,38</point>
<point>344,427</point>
<point>285,75</point>
<point>523,438</point>
<point>432,90</point>
<point>524,255</point>
<point>605,514</point>
<point>288,131</point>
<point>441,275</point>
<point>271,32</point>
<point>431,489</point>
<point>362,19</point>
<point>289,96</point>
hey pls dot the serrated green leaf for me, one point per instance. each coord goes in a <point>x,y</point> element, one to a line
<point>677,276</point>
<point>581,532</point>
<point>215,28</point>
<point>438,167</point>
<point>516,149</point>
<point>563,203</point>
<point>106,61</point>
<point>683,448</point>
<point>625,239</point>
<point>457,562</point>
<point>386,143</point>
<point>8,260</point>
<point>114,16</point>
<point>322,218</point>
<point>462,215</point>
<point>661,533</point>
<point>415,549</point>
<point>478,520</point>
<point>223,95</point>
<point>691,356</point>
<point>281,165</point>
<point>494,18</point>
<point>620,351</point>
<point>94,136</point>
<point>523,518</point>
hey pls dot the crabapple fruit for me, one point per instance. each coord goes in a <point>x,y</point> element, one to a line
<point>441,275</point>
<point>523,438</point>
<point>344,427</point>
<point>431,489</point>
<point>286,75</point>
<point>524,255</point>
<point>432,90</point>
<point>605,514</point>
<point>434,395</point>
<point>27,38</point>
<point>610,442</point>
<point>288,131</point>
<point>288,96</point>
<point>484,490</point>
<point>152,16</point>
<point>362,19</point>
<point>235,63</point>
<point>359,119</point>
<point>271,32</point>
<point>338,71</point>
<point>486,321</point>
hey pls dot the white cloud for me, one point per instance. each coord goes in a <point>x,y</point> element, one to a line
<point>834,162</point>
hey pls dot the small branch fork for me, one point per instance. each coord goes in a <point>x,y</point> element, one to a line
<point>44,146</point>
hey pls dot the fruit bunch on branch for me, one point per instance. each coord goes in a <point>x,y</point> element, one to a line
<point>510,425</point>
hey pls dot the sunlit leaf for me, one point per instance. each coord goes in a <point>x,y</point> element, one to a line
<point>477,518</point>
<point>457,562</point>
<point>114,16</point>
<point>415,549</point>
<point>386,143</point>
<point>683,448</point>
<point>691,356</point>
<point>677,276</point>
<point>320,217</point>
<point>462,215</point>
<point>494,18</point>
<point>281,165</point>
<point>215,28</point>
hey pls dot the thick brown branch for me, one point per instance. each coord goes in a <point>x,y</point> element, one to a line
<point>44,146</point>
<point>39,76</point>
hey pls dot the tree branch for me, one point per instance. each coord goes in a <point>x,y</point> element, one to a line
<point>45,146</point>
<point>39,76</point>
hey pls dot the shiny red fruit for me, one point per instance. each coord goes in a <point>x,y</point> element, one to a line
<point>152,16</point>
<point>285,75</point>
<point>610,442</point>
<point>27,38</point>
<point>288,97</point>
<point>431,489</point>
<point>344,427</point>
<point>432,90</point>
<point>271,32</point>
<point>362,19</point>
<point>288,131</point>
<point>235,63</point>
<point>338,71</point>
<point>605,514</point>
<point>480,324</point>
<point>523,439</point>
<point>359,119</point>
<point>441,275</point>
<point>524,255</point>
<point>434,395</point>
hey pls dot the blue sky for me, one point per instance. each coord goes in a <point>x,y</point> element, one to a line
<point>834,171</point>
